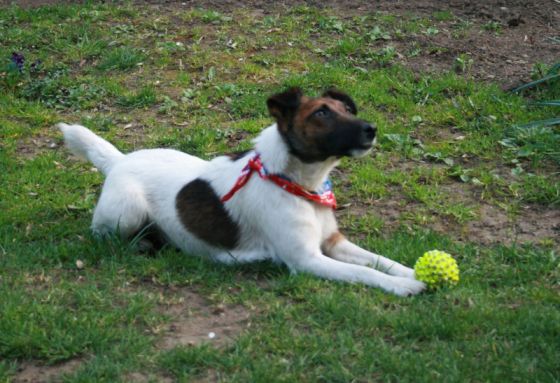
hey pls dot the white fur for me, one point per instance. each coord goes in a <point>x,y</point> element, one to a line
<point>142,186</point>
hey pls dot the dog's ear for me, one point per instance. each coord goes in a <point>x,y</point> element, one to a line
<point>283,106</point>
<point>344,98</point>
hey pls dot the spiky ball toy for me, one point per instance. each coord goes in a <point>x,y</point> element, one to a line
<point>437,269</point>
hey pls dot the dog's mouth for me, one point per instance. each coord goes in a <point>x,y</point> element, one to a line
<point>363,149</point>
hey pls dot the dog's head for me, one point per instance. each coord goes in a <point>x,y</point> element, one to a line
<point>318,128</point>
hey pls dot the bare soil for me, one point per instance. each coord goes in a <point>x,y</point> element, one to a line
<point>492,223</point>
<point>195,320</point>
<point>32,372</point>
<point>31,147</point>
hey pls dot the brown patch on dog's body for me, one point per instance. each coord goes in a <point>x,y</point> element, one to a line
<point>203,214</point>
<point>332,241</point>
<point>316,129</point>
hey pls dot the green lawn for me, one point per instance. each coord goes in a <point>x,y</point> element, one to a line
<point>197,80</point>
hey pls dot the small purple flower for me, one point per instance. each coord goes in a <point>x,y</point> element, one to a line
<point>18,60</point>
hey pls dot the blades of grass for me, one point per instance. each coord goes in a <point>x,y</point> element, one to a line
<point>536,82</point>
<point>548,103</point>
<point>549,122</point>
<point>555,69</point>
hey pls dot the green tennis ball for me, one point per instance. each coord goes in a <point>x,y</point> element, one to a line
<point>437,269</point>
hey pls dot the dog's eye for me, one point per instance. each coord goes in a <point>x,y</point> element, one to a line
<point>323,112</point>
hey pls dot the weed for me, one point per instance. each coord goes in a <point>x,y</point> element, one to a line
<point>98,123</point>
<point>404,144</point>
<point>56,89</point>
<point>124,58</point>
<point>536,139</point>
<point>330,24</point>
<point>538,189</point>
<point>462,63</point>
<point>145,97</point>
<point>443,15</point>
<point>536,142</point>
<point>377,34</point>
<point>431,31</point>
<point>207,16</point>
<point>492,26</point>
<point>167,105</point>
<point>171,46</point>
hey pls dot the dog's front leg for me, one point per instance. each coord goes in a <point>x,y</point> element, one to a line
<point>339,248</point>
<point>333,269</point>
<point>297,243</point>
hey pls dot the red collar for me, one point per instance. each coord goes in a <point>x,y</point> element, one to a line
<point>324,197</point>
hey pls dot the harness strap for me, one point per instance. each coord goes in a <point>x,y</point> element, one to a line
<point>325,197</point>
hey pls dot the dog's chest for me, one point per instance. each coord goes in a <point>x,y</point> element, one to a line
<point>254,216</point>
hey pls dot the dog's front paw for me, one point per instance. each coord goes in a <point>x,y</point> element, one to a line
<point>399,270</point>
<point>405,287</point>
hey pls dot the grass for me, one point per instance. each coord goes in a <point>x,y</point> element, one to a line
<point>123,58</point>
<point>142,79</point>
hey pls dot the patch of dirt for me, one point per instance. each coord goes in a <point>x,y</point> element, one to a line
<point>195,320</point>
<point>31,147</point>
<point>138,377</point>
<point>531,223</point>
<point>31,372</point>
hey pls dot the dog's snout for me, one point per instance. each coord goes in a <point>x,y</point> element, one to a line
<point>369,131</point>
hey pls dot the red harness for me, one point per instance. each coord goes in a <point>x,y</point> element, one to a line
<point>324,197</point>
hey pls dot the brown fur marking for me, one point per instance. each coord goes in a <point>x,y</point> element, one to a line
<point>203,214</point>
<point>310,106</point>
<point>331,241</point>
<point>311,132</point>
<point>314,137</point>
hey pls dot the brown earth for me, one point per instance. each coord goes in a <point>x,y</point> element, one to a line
<point>32,372</point>
<point>195,320</point>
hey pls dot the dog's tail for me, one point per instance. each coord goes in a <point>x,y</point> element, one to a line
<point>87,145</point>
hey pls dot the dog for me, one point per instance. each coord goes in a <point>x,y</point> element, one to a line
<point>273,202</point>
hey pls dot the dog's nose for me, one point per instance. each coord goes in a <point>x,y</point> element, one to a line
<point>369,131</point>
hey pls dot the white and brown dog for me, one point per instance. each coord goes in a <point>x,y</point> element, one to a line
<point>269,203</point>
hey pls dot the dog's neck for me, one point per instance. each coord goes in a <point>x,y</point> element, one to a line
<point>277,158</point>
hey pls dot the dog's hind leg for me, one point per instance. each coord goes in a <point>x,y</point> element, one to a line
<point>122,208</point>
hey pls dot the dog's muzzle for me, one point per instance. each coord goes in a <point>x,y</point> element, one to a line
<point>368,134</point>
<point>367,140</point>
